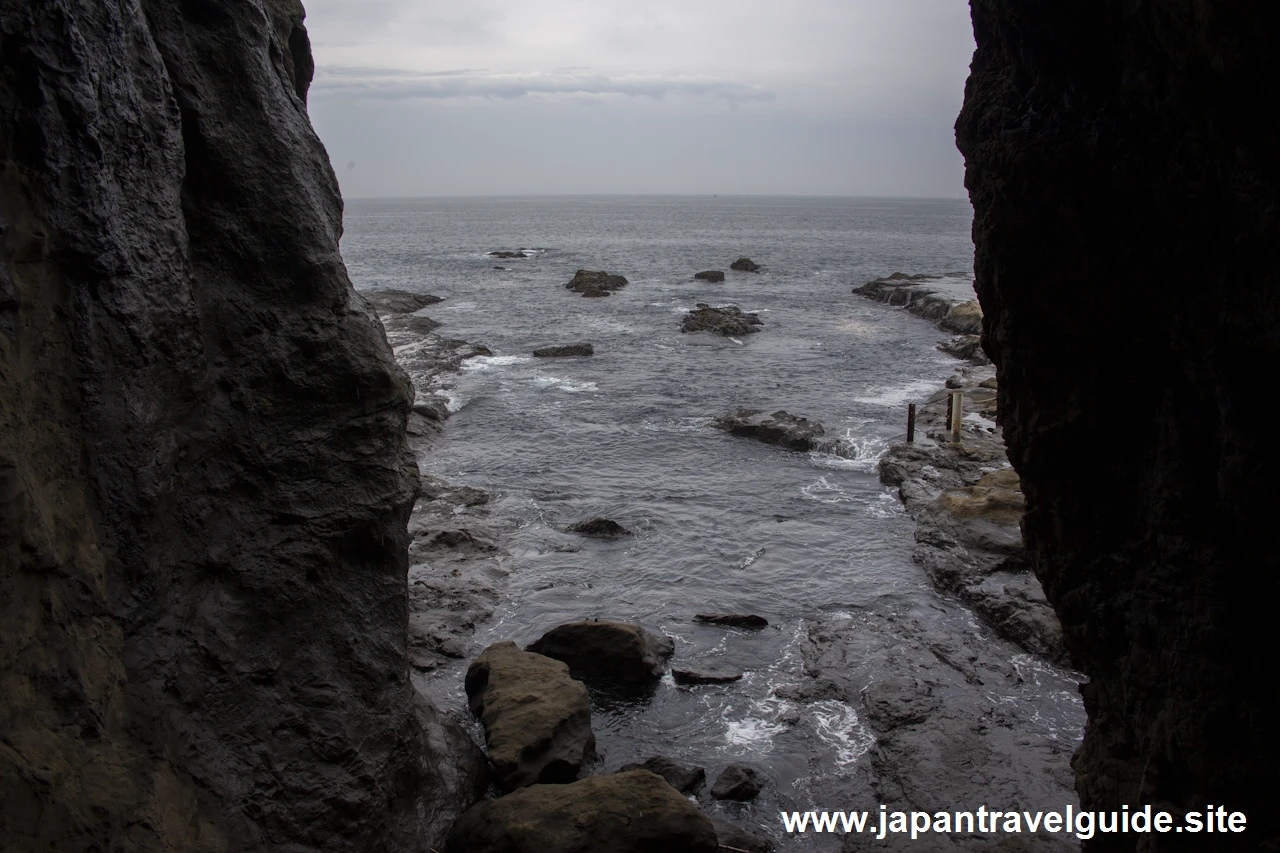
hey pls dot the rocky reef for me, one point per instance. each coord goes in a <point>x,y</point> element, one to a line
<point>1128,260</point>
<point>204,479</point>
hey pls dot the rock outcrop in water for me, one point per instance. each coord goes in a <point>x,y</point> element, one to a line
<point>745,265</point>
<point>963,318</point>
<point>565,351</point>
<point>595,283</point>
<point>781,428</point>
<point>709,275</point>
<point>608,653</point>
<point>1128,260</point>
<point>727,320</point>
<point>204,480</point>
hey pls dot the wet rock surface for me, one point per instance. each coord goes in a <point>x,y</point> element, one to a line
<point>686,780</point>
<point>537,720</point>
<point>739,782</point>
<point>565,351</point>
<point>731,837</point>
<point>728,320</point>
<point>634,812</point>
<point>595,282</point>
<point>705,675</point>
<point>946,735</point>
<point>745,265</point>
<point>608,653</point>
<point>968,505</point>
<point>709,275</point>
<point>780,428</point>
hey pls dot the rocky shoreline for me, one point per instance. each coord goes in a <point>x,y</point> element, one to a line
<point>962,318</point>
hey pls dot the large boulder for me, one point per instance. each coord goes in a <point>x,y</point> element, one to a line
<point>963,319</point>
<point>608,653</point>
<point>595,282</point>
<point>537,719</point>
<point>745,265</point>
<point>635,812</point>
<point>726,320</point>
<point>398,301</point>
<point>781,428</point>
<point>564,351</point>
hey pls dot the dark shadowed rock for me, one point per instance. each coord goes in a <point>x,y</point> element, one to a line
<point>732,837</point>
<point>733,620</point>
<point>507,254</point>
<point>966,347</point>
<point>387,302</point>
<point>727,320</point>
<point>898,701</point>
<point>595,282</point>
<point>739,782</point>
<point>709,275</point>
<point>634,812</point>
<point>608,652</point>
<point>537,720</point>
<point>565,351</point>
<point>705,675</point>
<point>745,265</point>
<point>600,528</point>
<point>780,428</point>
<point>204,473</point>
<point>686,780</point>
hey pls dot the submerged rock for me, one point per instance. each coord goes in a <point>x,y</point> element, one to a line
<point>507,254</point>
<point>537,719</point>
<point>709,275</point>
<point>595,282</point>
<point>780,428</point>
<point>733,620</point>
<point>608,653</point>
<point>732,837</point>
<point>633,812</point>
<point>739,782</point>
<point>564,351</point>
<point>600,528</point>
<point>686,780</point>
<point>705,676</point>
<point>745,265</point>
<point>398,301</point>
<point>727,320</point>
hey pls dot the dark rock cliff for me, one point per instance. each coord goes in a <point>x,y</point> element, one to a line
<point>204,481</point>
<point>1123,160</point>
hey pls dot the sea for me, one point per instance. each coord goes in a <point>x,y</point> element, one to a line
<point>721,524</point>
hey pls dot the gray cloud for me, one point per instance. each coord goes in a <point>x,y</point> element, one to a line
<point>396,84</point>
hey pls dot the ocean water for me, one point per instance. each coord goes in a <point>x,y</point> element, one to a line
<point>721,523</point>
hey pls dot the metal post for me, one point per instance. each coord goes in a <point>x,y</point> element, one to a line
<point>956,408</point>
<point>911,423</point>
<point>951,401</point>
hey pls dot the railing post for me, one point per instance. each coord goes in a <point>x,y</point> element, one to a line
<point>955,410</point>
<point>911,423</point>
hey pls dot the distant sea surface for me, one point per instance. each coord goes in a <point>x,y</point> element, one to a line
<point>721,523</point>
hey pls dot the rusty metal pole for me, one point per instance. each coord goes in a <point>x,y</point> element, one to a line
<point>911,423</point>
<point>957,413</point>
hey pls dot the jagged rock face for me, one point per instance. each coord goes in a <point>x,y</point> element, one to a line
<point>1128,258</point>
<point>204,481</point>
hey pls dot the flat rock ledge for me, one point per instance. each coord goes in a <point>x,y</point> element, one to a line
<point>608,653</point>
<point>781,428</point>
<point>537,719</point>
<point>727,320</point>
<point>387,302</point>
<point>968,504</point>
<point>565,351</point>
<point>959,317</point>
<point>633,812</point>
<point>595,283</point>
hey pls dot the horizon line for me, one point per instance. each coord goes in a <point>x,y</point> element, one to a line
<point>654,195</point>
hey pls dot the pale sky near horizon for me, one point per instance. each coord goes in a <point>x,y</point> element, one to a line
<point>568,97</point>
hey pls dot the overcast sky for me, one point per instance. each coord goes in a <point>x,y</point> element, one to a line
<point>509,97</point>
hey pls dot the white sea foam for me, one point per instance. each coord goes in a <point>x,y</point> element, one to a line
<point>751,731</point>
<point>453,401</point>
<point>899,395</point>
<point>489,362</point>
<point>570,385</point>
<point>838,726</point>
<point>824,491</point>
<point>851,453</point>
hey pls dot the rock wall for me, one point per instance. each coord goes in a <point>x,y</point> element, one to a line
<point>1123,160</point>
<point>204,481</point>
